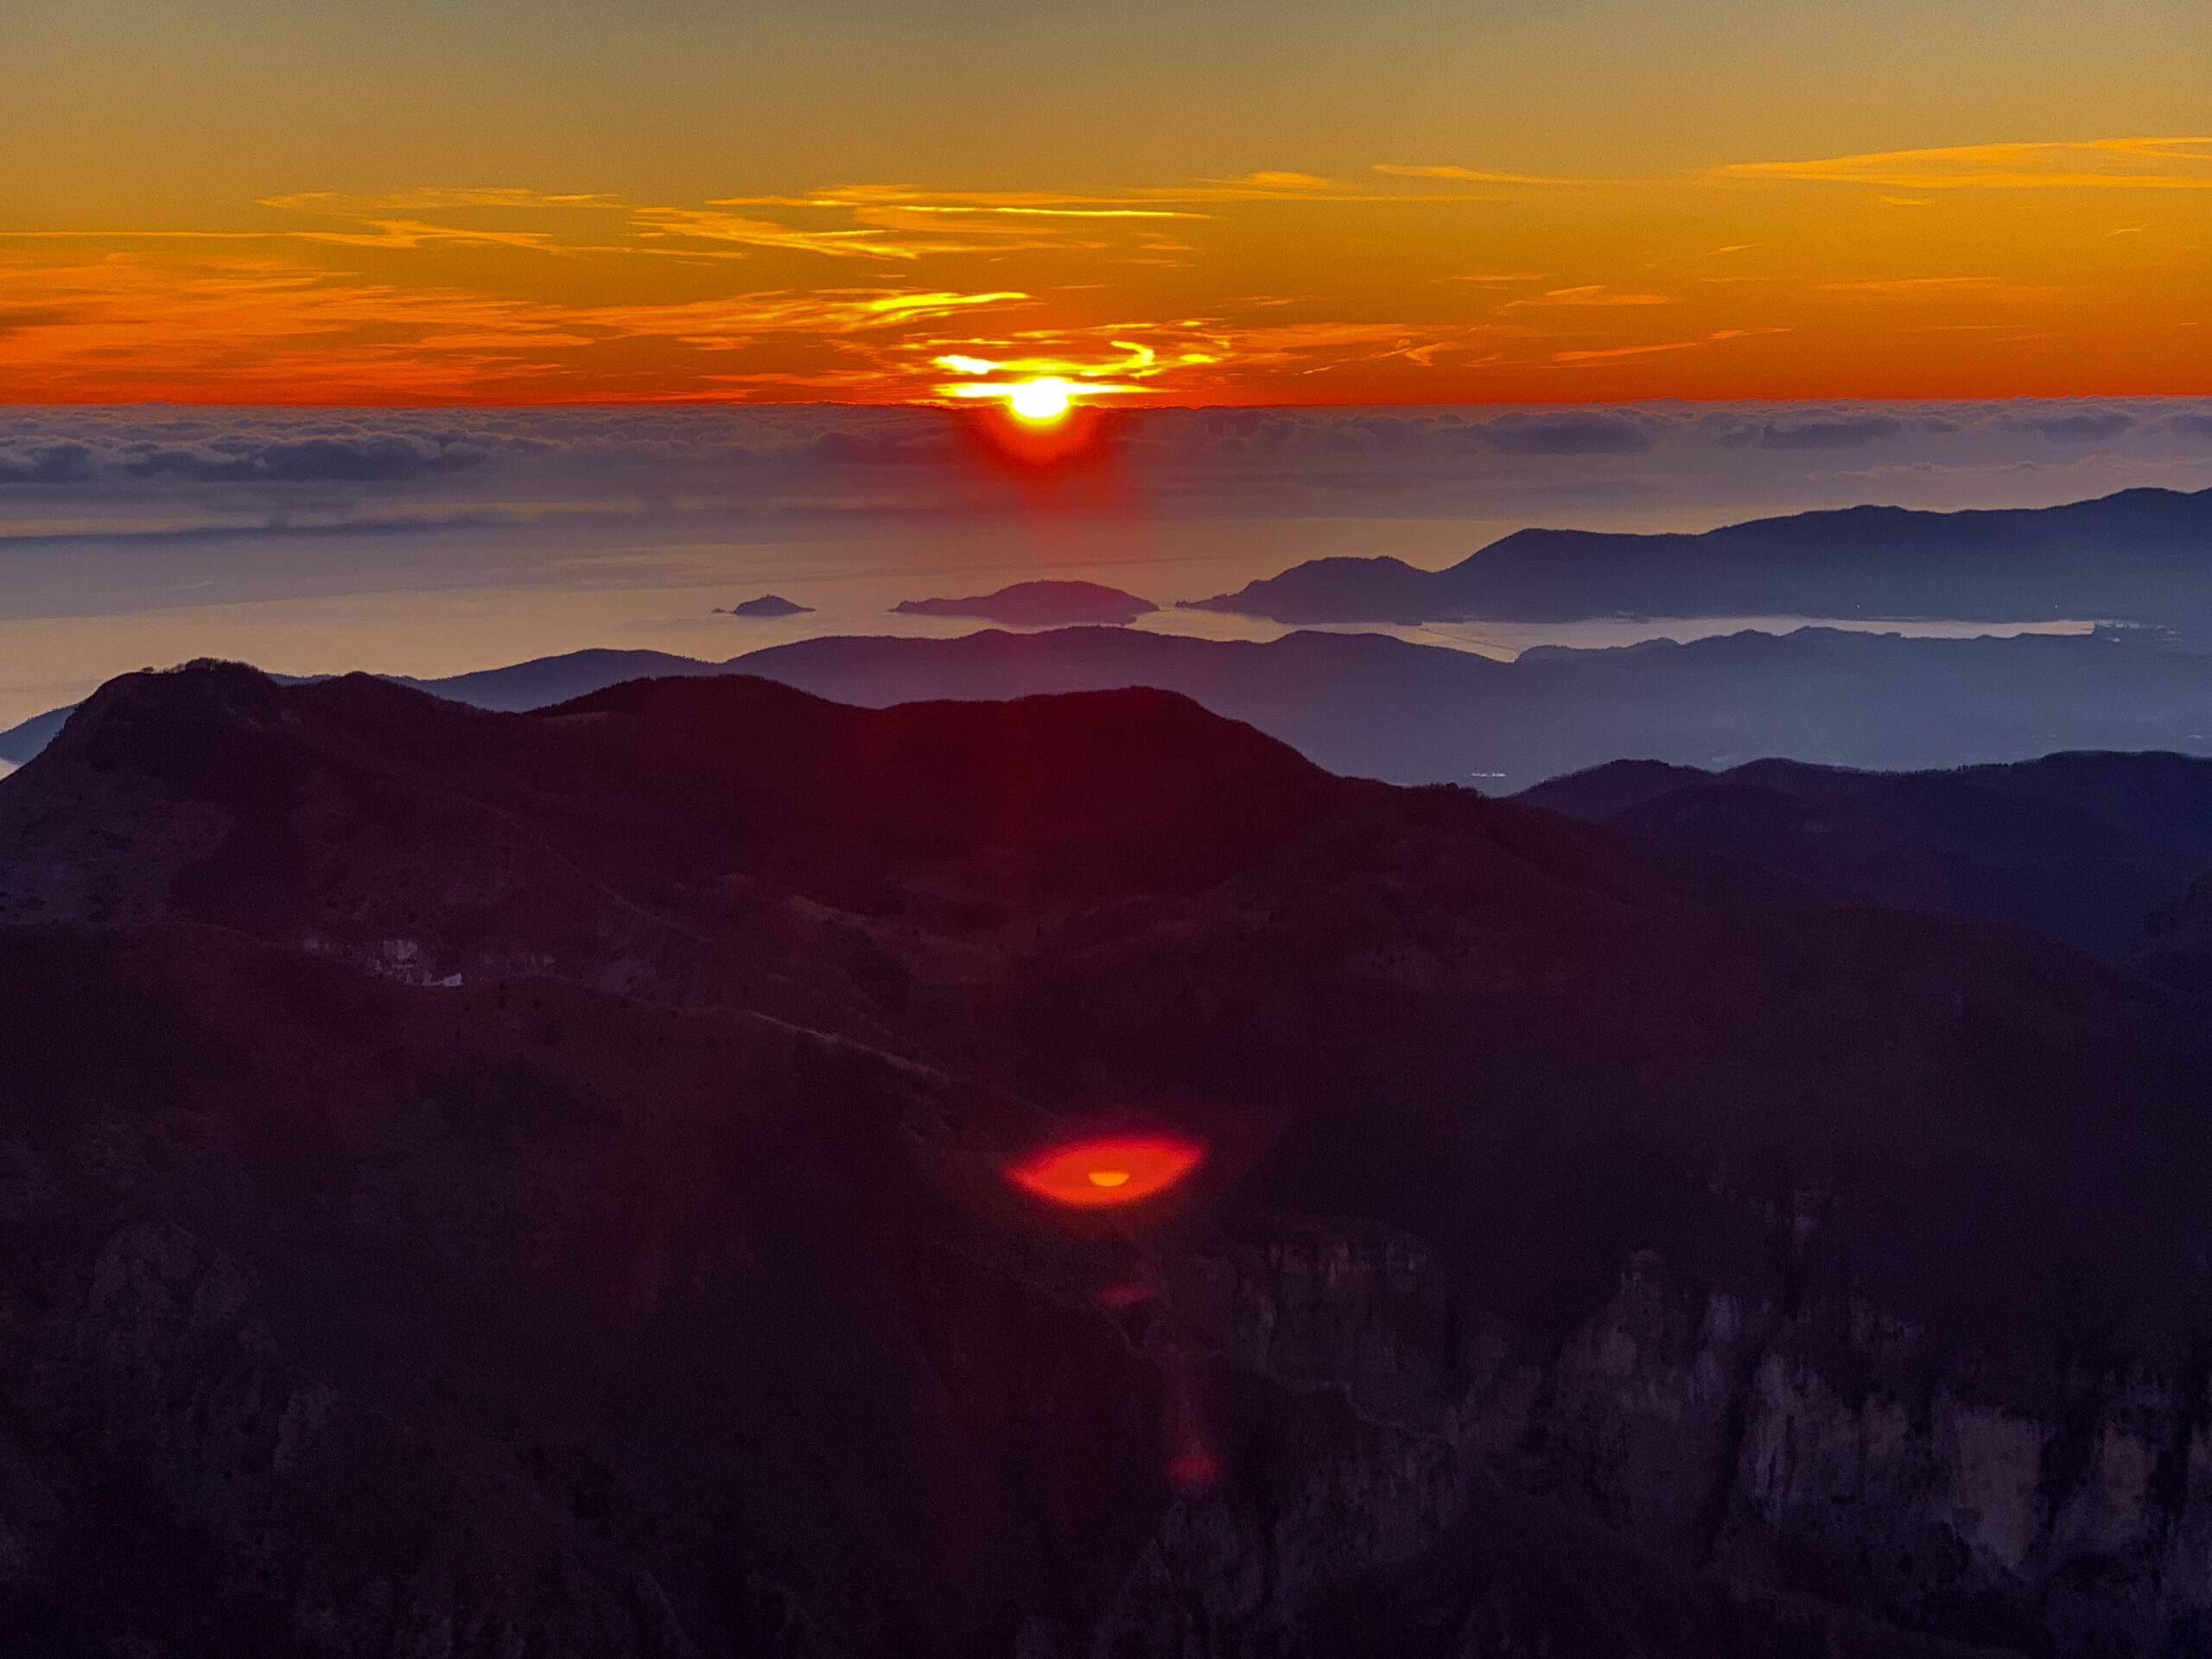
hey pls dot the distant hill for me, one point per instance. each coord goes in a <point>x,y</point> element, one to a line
<point>768,605</point>
<point>544,680</point>
<point>2079,847</point>
<point>1038,604</point>
<point>2142,554</point>
<point>19,743</point>
<point>1374,706</point>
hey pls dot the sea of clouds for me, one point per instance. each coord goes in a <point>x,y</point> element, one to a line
<point>182,470</point>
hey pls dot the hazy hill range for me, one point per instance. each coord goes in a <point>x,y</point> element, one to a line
<point>2080,846</point>
<point>479,1182</point>
<point>1374,706</point>
<point>2143,555</point>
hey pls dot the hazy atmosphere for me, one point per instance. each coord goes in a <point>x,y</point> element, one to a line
<point>432,543</point>
<point>946,829</point>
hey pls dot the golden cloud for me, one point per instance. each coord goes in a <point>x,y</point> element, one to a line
<point>2101,163</point>
<point>1471,175</point>
<point>1623,351</point>
<point>1591,294</point>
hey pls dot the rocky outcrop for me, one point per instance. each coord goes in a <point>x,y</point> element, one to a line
<point>169,1467</point>
<point>1825,1451</point>
<point>1595,1250</point>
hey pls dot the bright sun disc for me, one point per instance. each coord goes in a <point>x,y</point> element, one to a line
<point>1039,400</point>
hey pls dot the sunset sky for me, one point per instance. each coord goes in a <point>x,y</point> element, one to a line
<point>493,202</point>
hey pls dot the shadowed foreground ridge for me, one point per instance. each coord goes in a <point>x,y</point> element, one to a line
<point>492,1184</point>
<point>2079,847</point>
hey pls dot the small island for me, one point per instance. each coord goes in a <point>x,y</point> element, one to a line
<point>767,605</point>
<point>1038,604</point>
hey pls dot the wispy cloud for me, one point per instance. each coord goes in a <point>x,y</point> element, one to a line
<point>2091,164</point>
<point>1993,288</point>
<point>856,289</point>
<point>278,331</point>
<point>1471,175</point>
<point>710,226</point>
<point>1590,294</point>
<point>1595,355</point>
<point>428,200</point>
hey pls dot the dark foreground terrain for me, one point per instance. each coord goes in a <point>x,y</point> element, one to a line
<point>2080,846</point>
<point>479,1184</point>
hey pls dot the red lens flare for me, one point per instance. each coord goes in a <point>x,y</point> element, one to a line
<point>1115,1170</point>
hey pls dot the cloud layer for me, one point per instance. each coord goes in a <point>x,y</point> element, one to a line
<point>1412,280</point>
<point>187,473</point>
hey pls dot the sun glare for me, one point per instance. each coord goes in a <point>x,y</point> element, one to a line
<point>1121,1170</point>
<point>1040,401</point>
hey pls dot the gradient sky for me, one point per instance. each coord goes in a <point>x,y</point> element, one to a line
<point>555,200</point>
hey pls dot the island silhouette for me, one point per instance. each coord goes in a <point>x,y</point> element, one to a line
<point>1044,604</point>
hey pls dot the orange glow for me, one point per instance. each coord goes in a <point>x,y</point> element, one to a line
<point>1112,1171</point>
<point>1977,271</point>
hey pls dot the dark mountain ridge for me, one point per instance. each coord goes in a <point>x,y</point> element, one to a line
<point>2141,555</point>
<point>2079,847</point>
<point>2176,946</point>
<point>1605,1246</point>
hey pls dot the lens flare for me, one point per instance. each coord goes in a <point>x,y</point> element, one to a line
<point>1042,400</point>
<point>1121,1170</point>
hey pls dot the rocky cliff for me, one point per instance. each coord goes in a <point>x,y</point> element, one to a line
<point>530,1185</point>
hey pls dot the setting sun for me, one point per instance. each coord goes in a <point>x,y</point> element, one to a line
<point>1039,400</point>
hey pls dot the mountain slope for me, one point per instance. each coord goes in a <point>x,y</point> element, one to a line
<point>2177,946</point>
<point>2079,847</point>
<point>1380,707</point>
<point>1374,706</point>
<point>1694,1268</point>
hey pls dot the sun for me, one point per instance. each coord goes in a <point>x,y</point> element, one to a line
<point>1040,401</point>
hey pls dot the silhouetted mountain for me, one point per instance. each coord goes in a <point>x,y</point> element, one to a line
<point>2176,944</point>
<point>1042,604</point>
<point>2143,555</point>
<point>573,1223</point>
<point>19,743</point>
<point>1377,706</point>
<point>1374,706</point>
<point>767,605</point>
<point>2080,847</point>
<point>545,680</point>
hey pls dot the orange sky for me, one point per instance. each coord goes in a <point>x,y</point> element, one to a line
<point>229,200</point>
